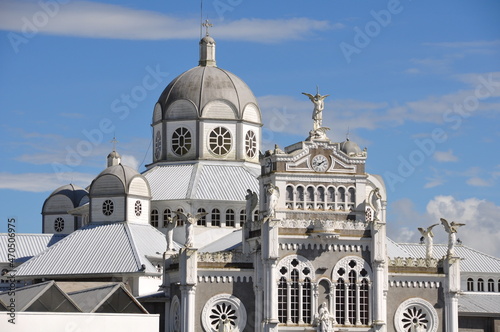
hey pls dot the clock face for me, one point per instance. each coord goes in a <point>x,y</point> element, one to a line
<point>320,163</point>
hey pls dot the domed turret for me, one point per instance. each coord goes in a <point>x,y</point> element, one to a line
<point>351,149</point>
<point>56,217</point>
<point>206,113</point>
<point>119,193</point>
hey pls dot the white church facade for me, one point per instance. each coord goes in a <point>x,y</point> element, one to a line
<point>216,235</point>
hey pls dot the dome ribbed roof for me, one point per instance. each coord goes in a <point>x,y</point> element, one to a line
<point>350,148</point>
<point>71,191</point>
<point>203,84</point>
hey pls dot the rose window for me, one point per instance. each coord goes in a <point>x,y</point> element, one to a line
<point>416,314</point>
<point>158,145</point>
<point>107,207</point>
<point>138,208</point>
<point>220,141</point>
<point>224,312</point>
<point>59,224</point>
<point>250,144</point>
<point>181,141</point>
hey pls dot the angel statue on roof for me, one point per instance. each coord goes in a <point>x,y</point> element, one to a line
<point>317,115</point>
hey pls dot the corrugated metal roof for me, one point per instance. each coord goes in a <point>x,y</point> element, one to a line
<point>169,181</point>
<point>224,183</point>
<point>394,250</point>
<point>27,245</point>
<point>479,303</point>
<point>202,180</point>
<point>472,260</point>
<point>99,249</point>
<point>228,242</point>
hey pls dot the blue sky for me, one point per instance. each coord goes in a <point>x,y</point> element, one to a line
<point>416,82</point>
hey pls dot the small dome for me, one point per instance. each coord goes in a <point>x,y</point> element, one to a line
<point>66,197</point>
<point>350,148</point>
<point>119,180</point>
<point>114,154</point>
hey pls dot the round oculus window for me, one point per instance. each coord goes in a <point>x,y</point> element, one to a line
<point>138,208</point>
<point>158,145</point>
<point>250,144</point>
<point>107,207</point>
<point>59,224</point>
<point>416,314</point>
<point>219,141</point>
<point>181,141</point>
<point>224,312</point>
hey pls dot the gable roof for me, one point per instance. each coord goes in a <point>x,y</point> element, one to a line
<point>97,249</point>
<point>111,297</point>
<point>46,296</point>
<point>28,245</point>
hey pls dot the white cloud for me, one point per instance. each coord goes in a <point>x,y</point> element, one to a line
<point>482,229</point>
<point>478,182</point>
<point>445,156</point>
<point>130,161</point>
<point>40,182</point>
<point>481,232</point>
<point>100,20</point>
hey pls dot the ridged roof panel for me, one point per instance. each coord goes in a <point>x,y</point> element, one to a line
<point>169,182</point>
<point>224,183</point>
<point>472,260</point>
<point>479,303</point>
<point>98,249</point>
<point>27,245</point>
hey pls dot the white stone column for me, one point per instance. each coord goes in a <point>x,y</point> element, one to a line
<point>333,302</point>
<point>358,320</point>
<point>187,304</point>
<point>188,268</point>
<point>289,302</point>
<point>346,309</point>
<point>452,288</point>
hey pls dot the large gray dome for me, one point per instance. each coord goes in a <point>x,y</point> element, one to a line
<point>204,84</point>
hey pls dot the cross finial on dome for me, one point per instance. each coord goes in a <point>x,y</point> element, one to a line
<point>347,134</point>
<point>207,25</point>
<point>114,141</point>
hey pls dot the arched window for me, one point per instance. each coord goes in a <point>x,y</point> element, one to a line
<point>491,285</point>
<point>230,218</point>
<point>202,221</point>
<point>351,202</point>
<point>243,217</point>
<point>154,218</point>
<point>341,198</point>
<point>299,198</point>
<point>352,291</point>
<point>256,216</point>
<point>498,285</point>
<point>289,197</point>
<point>295,290</point>
<point>340,301</point>
<point>306,301</point>
<point>282,300</point>
<point>180,218</point>
<point>166,214</point>
<point>470,285</point>
<point>480,285</point>
<point>320,200</point>
<point>330,198</point>
<point>351,296</point>
<point>216,217</point>
<point>363,302</point>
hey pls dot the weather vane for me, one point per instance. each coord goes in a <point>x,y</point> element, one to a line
<point>207,25</point>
